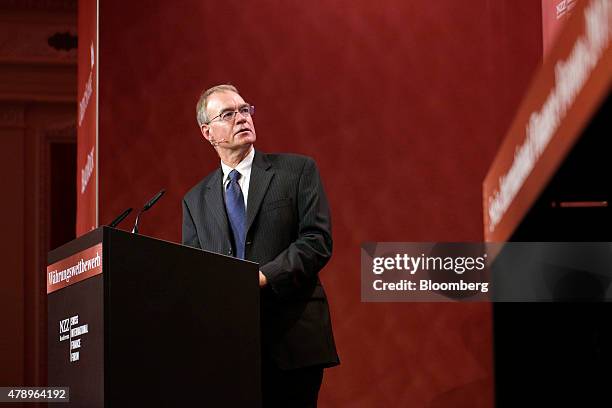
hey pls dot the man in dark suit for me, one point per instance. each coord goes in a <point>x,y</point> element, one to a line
<point>270,209</point>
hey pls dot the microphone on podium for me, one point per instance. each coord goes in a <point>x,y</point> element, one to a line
<point>148,205</point>
<point>120,218</point>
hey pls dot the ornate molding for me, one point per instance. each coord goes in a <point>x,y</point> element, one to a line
<point>61,134</point>
<point>12,115</point>
<point>38,82</point>
<point>30,43</point>
<point>47,5</point>
<point>38,58</point>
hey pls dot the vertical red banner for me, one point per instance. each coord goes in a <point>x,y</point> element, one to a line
<point>87,118</point>
<point>554,15</point>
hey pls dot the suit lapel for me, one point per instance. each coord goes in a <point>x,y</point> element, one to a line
<point>261,174</point>
<point>215,204</point>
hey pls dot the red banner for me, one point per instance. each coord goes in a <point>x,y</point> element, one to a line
<point>75,268</point>
<point>554,14</point>
<point>87,118</point>
<point>567,90</point>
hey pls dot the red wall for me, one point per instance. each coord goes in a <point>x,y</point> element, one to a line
<point>12,288</point>
<point>402,104</point>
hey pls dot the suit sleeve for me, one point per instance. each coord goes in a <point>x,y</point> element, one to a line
<point>300,263</point>
<point>190,236</point>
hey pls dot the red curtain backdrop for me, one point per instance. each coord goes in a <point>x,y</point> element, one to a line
<point>402,104</point>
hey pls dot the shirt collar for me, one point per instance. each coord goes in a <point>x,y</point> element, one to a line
<point>244,167</point>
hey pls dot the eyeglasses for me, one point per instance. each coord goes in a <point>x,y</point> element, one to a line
<point>228,116</point>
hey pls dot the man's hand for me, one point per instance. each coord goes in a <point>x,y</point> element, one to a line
<point>262,280</point>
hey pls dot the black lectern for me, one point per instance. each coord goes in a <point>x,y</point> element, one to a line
<point>137,321</point>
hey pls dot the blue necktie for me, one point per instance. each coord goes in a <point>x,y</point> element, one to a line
<point>234,202</point>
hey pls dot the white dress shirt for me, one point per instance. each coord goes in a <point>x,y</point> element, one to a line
<point>244,168</point>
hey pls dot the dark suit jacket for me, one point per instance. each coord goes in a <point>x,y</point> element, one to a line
<point>289,235</point>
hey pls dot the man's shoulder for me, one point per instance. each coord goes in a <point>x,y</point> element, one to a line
<point>196,191</point>
<point>288,161</point>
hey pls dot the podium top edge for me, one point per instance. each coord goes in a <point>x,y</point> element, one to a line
<point>101,233</point>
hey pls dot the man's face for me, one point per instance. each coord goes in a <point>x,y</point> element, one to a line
<point>232,134</point>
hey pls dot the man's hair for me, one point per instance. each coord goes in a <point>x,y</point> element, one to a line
<point>201,114</point>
